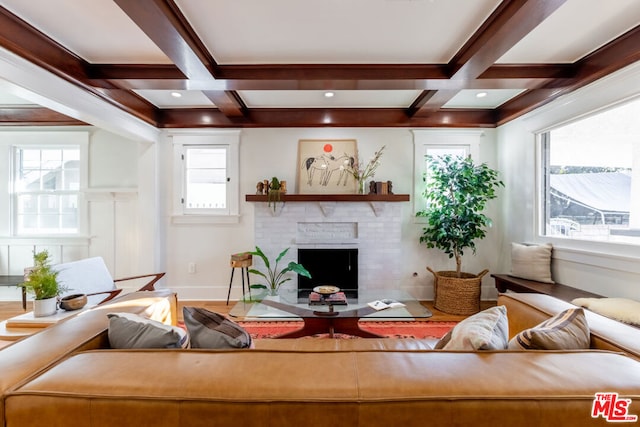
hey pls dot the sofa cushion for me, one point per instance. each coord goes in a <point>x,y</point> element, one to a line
<point>531,262</point>
<point>487,330</point>
<point>567,330</point>
<point>129,330</point>
<point>212,330</point>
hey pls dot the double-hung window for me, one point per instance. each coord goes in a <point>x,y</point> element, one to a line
<point>206,177</point>
<point>46,190</point>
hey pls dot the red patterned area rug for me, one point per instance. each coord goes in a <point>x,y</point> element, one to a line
<point>389,329</point>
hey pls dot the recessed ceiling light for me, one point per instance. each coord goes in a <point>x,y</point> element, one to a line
<point>481,94</point>
<point>176,94</point>
<point>329,94</point>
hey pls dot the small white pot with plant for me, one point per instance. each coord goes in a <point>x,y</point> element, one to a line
<point>42,282</point>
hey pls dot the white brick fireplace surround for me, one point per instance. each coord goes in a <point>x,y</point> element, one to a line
<point>374,228</point>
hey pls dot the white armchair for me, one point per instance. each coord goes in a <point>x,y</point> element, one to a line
<point>90,276</point>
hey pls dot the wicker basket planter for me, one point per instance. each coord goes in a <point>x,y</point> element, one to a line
<point>457,295</point>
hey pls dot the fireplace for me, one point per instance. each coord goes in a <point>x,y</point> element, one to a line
<point>337,267</point>
<point>373,230</point>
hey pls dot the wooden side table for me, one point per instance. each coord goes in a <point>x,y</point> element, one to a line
<point>242,261</point>
<point>26,324</point>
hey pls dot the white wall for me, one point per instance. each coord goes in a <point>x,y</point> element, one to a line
<point>131,191</point>
<point>273,152</point>
<point>607,269</point>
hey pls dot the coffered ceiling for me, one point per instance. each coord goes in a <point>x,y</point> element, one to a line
<point>257,63</point>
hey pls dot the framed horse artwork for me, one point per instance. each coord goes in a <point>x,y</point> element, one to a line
<point>326,165</point>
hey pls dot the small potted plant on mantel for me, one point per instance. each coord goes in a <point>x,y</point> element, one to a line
<point>41,280</point>
<point>456,193</point>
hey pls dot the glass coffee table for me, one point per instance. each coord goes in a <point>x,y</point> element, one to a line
<point>328,317</point>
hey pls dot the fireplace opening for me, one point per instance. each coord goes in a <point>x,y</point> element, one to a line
<point>337,267</point>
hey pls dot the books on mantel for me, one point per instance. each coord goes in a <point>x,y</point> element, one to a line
<point>336,299</point>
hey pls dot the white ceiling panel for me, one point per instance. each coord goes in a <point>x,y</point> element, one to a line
<point>482,98</point>
<point>574,30</point>
<point>96,30</point>
<point>168,98</point>
<point>335,31</point>
<point>9,99</point>
<point>317,99</point>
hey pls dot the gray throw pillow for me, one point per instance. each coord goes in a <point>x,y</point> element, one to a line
<point>212,330</point>
<point>128,330</point>
<point>487,330</point>
<point>567,330</point>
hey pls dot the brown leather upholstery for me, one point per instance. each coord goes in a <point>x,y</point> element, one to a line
<point>25,358</point>
<point>527,310</point>
<point>65,375</point>
<point>349,388</point>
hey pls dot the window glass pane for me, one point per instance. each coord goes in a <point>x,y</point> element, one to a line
<point>46,186</point>
<point>206,158</point>
<point>592,177</point>
<point>51,159</point>
<point>30,159</point>
<point>28,223</point>
<point>71,180</point>
<point>205,178</point>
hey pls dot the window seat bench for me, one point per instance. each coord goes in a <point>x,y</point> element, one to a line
<point>506,282</point>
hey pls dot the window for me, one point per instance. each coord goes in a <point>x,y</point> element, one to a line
<point>591,177</point>
<point>206,177</point>
<point>46,190</point>
<point>438,143</point>
<point>205,184</point>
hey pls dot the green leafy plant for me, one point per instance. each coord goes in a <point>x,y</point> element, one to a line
<point>275,278</point>
<point>273,196</point>
<point>457,191</point>
<point>42,280</point>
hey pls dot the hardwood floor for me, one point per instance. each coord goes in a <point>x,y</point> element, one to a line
<point>10,309</point>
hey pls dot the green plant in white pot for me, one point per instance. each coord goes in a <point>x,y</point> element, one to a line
<point>457,192</point>
<point>273,277</point>
<point>42,281</point>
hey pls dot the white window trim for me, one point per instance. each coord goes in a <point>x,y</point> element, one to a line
<point>614,88</point>
<point>430,138</point>
<point>228,138</point>
<point>43,139</point>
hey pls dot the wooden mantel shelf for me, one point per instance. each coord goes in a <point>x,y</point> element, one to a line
<point>332,198</point>
<point>328,202</point>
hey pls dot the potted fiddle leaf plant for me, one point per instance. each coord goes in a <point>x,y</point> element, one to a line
<point>457,192</point>
<point>41,280</point>
<point>274,277</point>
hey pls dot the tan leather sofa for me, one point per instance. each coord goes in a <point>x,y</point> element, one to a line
<point>305,382</point>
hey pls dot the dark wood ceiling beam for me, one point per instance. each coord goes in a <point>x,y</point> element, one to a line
<point>165,25</point>
<point>612,57</point>
<point>227,101</point>
<point>35,116</point>
<point>173,84</point>
<point>354,117</point>
<point>168,29</point>
<point>295,77</point>
<point>25,41</point>
<point>507,25</point>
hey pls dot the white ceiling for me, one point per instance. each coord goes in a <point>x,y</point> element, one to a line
<point>325,32</point>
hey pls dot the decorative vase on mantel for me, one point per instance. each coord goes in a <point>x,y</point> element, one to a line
<point>362,184</point>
